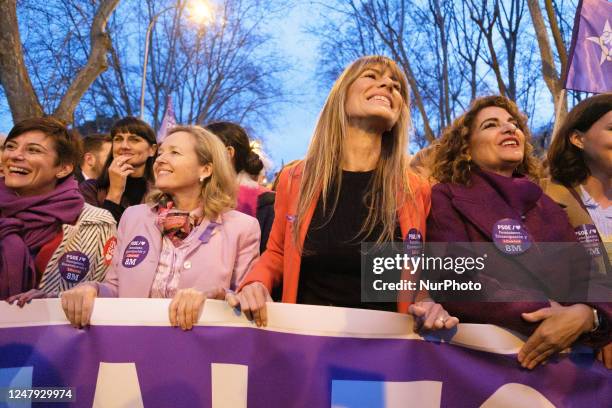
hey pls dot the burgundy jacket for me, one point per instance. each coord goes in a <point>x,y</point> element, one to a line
<point>461,214</point>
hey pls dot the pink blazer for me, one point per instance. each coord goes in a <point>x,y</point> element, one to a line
<point>218,255</point>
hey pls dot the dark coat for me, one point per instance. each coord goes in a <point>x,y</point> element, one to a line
<point>135,193</point>
<point>558,271</point>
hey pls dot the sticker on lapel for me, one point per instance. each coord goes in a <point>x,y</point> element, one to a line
<point>208,232</point>
<point>290,218</point>
<point>73,266</point>
<point>413,242</point>
<point>511,237</point>
<point>587,235</point>
<point>109,250</point>
<point>135,252</point>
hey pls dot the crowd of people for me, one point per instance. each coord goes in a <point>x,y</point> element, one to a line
<point>122,215</point>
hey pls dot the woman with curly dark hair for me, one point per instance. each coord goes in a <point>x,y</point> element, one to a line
<point>487,195</point>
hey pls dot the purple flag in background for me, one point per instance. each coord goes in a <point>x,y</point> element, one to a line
<point>590,62</point>
<point>168,122</point>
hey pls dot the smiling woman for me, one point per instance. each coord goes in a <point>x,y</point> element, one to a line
<point>49,239</point>
<point>187,243</point>
<point>484,163</point>
<point>127,175</point>
<point>354,186</point>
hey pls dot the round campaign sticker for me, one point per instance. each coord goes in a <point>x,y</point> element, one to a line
<point>135,252</point>
<point>414,242</point>
<point>73,266</point>
<point>511,237</point>
<point>587,235</point>
<point>109,250</point>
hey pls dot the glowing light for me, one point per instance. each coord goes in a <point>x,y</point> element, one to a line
<point>202,12</point>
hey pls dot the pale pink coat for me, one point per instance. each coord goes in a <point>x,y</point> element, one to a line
<point>222,261</point>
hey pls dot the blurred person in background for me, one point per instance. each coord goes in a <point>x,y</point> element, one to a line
<point>253,199</point>
<point>96,148</point>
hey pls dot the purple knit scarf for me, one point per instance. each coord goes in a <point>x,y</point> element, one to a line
<point>26,224</point>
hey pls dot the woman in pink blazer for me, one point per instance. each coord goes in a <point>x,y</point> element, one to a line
<point>187,243</point>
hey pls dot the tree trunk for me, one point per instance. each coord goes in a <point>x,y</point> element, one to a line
<point>549,71</point>
<point>14,77</point>
<point>96,63</point>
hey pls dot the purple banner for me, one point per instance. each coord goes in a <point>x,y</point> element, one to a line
<point>171,368</point>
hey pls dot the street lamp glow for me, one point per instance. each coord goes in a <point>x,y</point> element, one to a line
<point>201,12</point>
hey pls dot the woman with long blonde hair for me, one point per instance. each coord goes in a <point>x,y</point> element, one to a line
<point>353,186</point>
<point>187,243</point>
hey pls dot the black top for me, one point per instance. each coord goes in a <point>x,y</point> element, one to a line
<point>265,216</point>
<point>330,272</point>
<point>135,190</point>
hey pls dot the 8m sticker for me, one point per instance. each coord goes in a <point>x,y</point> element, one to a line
<point>73,266</point>
<point>414,242</point>
<point>135,252</point>
<point>511,237</point>
<point>587,235</point>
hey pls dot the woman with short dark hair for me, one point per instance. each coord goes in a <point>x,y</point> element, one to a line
<point>127,175</point>
<point>50,240</point>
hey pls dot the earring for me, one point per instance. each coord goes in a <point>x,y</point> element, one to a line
<point>202,179</point>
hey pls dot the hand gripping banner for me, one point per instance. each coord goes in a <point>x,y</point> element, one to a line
<point>308,356</point>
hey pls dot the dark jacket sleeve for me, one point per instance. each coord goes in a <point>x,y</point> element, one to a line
<point>89,189</point>
<point>116,210</point>
<point>265,216</point>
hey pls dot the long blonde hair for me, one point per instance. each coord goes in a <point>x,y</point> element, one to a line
<point>323,163</point>
<point>218,192</point>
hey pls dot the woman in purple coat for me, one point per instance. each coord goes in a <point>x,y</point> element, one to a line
<point>485,195</point>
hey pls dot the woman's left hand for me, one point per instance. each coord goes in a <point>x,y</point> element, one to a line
<point>432,316</point>
<point>26,297</point>
<point>187,305</point>
<point>560,327</point>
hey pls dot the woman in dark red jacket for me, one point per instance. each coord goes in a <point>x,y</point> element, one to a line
<point>483,164</point>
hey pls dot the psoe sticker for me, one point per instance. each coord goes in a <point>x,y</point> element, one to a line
<point>73,266</point>
<point>109,250</point>
<point>511,237</point>
<point>136,252</point>
<point>587,235</point>
<point>414,242</point>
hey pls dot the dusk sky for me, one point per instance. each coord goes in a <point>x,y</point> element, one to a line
<point>293,123</point>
